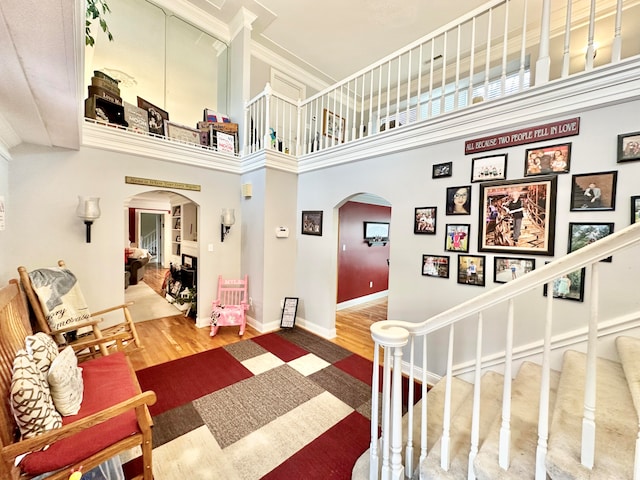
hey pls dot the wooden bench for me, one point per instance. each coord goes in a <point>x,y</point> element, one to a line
<point>113,418</point>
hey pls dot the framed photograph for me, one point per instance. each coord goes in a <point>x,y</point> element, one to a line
<point>312,222</point>
<point>594,191</point>
<point>181,133</point>
<point>506,269</point>
<point>459,200</point>
<point>569,287</point>
<point>583,234</point>
<point>156,116</point>
<point>518,216</point>
<point>289,310</point>
<point>635,209</point>
<point>424,220</point>
<point>457,238</point>
<point>441,170</point>
<point>435,266</point>
<point>471,269</point>
<point>333,126</point>
<point>493,167</point>
<point>629,147</point>
<point>545,160</point>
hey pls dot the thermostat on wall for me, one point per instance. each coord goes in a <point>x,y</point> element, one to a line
<point>282,232</point>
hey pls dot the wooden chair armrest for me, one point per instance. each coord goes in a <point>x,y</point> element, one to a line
<point>111,309</point>
<point>37,443</point>
<point>88,323</point>
<point>94,342</point>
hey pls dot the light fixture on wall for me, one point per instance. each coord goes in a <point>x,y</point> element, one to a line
<point>89,210</point>
<point>228,218</point>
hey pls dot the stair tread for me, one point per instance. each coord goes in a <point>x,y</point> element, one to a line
<point>628,350</point>
<point>460,432</point>
<point>615,433</point>
<point>435,405</point>
<point>525,396</point>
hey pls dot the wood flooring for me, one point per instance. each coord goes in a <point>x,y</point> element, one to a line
<point>174,337</point>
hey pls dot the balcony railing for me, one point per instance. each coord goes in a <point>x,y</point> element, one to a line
<point>500,49</point>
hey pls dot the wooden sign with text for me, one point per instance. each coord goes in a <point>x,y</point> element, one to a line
<point>540,133</point>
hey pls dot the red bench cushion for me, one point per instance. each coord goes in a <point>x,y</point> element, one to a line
<point>107,381</point>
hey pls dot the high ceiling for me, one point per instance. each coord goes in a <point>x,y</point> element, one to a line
<point>41,79</point>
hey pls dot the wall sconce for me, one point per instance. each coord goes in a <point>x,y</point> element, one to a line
<point>88,209</point>
<point>228,219</point>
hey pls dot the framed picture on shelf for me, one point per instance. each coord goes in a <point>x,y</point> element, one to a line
<point>546,160</point>
<point>493,167</point>
<point>518,216</point>
<point>635,209</point>
<point>440,170</point>
<point>176,211</point>
<point>506,269</point>
<point>435,266</point>
<point>471,269</point>
<point>333,126</point>
<point>459,200</point>
<point>594,191</point>
<point>157,116</point>
<point>181,133</point>
<point>569,286</point>
<point>583,234</point>
<point>312,222</point>
<point>424,220</point>
<point>456,238</point>
<point>628,147</point>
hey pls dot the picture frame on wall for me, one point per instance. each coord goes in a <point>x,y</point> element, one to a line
<point>156,116</point>
<point>594,191</point>
<point>569,286</point>
<point>518,216</point>
<point>635,209</point>
<point>471,270</point>
<point>491,167</point>
<point>333,126</point>
<point>312,222</point>
<point>628,147</point>
<point>435,266</point>
<point>457,237</point>
<point>583,234</point>
<point>425,220</point>
<point>506,269</point>
<point>441,170</point>
<point>459,200</point>
<point>545,160</point>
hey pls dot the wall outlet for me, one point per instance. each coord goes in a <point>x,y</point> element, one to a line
<point>250,301</point>
<point>370,284</point>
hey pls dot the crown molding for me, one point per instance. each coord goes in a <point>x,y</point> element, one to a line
<point>243,20</point>
<point>197,17</point>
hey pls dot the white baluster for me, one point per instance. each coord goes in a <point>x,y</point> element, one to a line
<point>505,429</point>
<point>589,415</point>
<point>445,452</point>
<point>545,385</point>
<point>409,447</point>
<point>543,65</point>
<point>616,47</point>
<point>375,388</point>
<point>425,403</point>
<point>591,50</point>
<point>457,89</point>
<point>409,86</point>
<point>419,90</point>
<point>503,76</point>
<point>430,104</point>
<point>566,58</point>
<point>472,58</point>
<point>487,62</point>
<point>386,413</point>
<point>444,73</point>
<point>397,469</point>
<point>475,417</point>
<point>523,47</point>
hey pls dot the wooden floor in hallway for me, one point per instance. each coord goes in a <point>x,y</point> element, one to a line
<point>174,337</point>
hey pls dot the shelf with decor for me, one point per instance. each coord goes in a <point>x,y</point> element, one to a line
<point>176,230</point>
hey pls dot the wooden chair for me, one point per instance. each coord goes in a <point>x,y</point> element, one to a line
<point>231,305</point>
<point>121,335</point>
<point>105,426</point>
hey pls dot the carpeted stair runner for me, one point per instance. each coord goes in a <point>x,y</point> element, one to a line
<point>525,397</point>
<point>490,402</point>
<point>616,422</point>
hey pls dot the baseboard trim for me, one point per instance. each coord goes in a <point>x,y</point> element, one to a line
<point>361,300</point>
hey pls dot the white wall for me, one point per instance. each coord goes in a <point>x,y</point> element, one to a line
<point>44,187</point>
<point>405,180</point>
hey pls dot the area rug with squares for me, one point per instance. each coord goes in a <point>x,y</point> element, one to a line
<point>282,405</point>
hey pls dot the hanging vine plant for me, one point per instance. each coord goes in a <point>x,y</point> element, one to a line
<point>96,10</point>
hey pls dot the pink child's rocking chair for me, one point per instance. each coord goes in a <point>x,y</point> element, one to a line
<point>231,305</point>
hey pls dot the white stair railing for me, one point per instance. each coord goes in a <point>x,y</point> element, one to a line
<point>392,336</point>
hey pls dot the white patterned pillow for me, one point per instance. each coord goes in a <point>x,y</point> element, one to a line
<point>31,400</point>
<point>65,382</point>
<point>43,349</point>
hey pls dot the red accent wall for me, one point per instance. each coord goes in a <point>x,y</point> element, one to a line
<point>358,263</point>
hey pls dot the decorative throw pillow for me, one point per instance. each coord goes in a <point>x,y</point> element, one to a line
<point>31,400</point>
<point>43,349</point>
<point>65,382</point>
